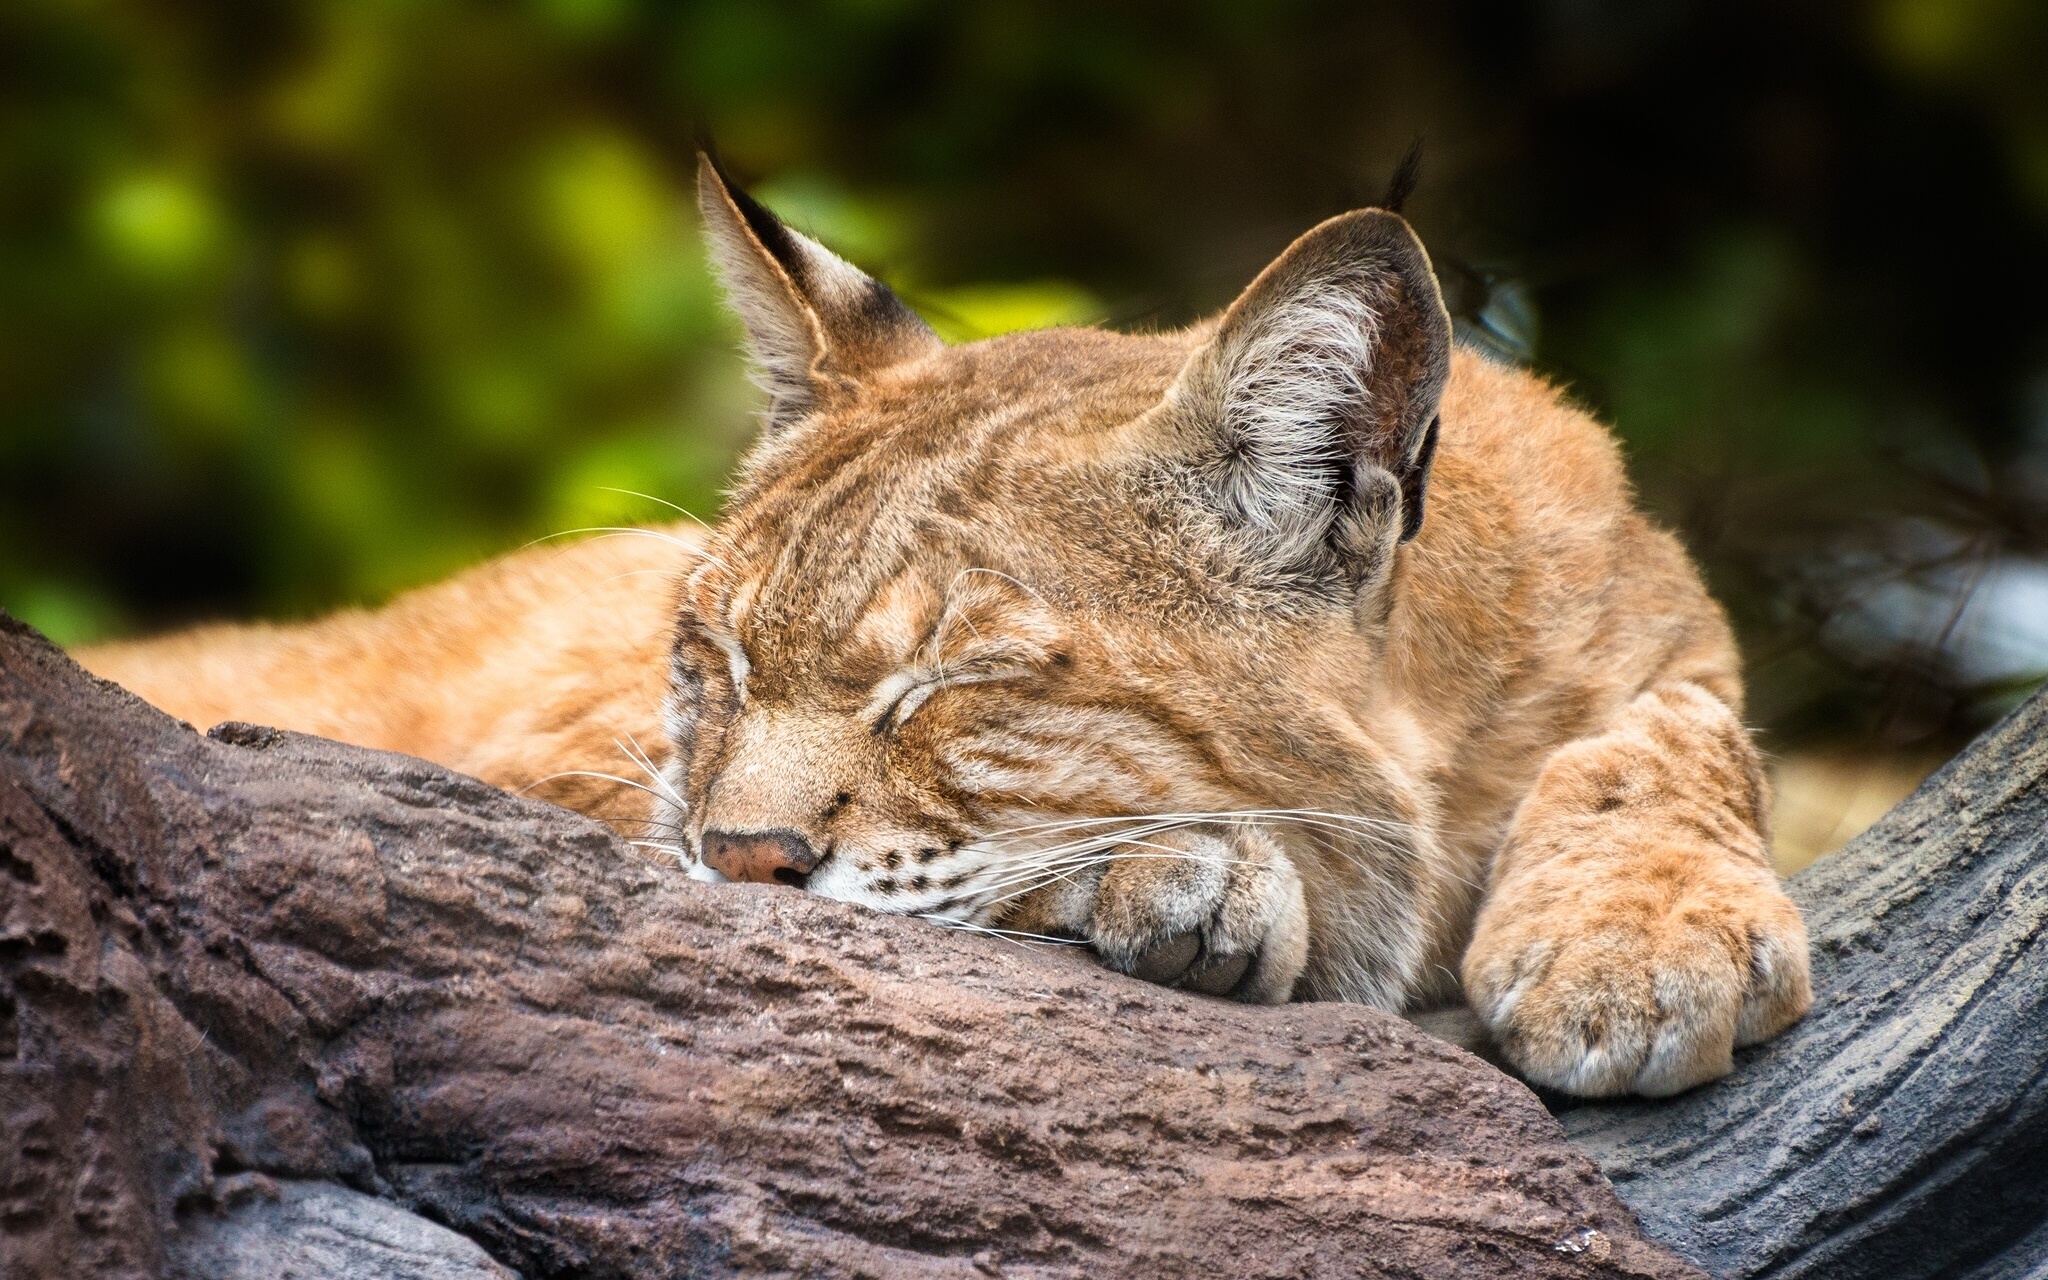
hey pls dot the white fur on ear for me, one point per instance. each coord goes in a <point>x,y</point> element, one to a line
<point>782,337</point>
<point>1288,390</point>
<point>813,320</point>
<point>1312,401</point>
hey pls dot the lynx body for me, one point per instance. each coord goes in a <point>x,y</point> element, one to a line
<point>1296,654</point>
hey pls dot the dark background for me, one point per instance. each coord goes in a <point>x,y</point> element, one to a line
<point>301,304</point>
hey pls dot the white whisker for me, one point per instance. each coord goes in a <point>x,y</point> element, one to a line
<point>1006,934</point>
<point>676,507</point>
<point>1020,864</point>
<point>627,531</point>
<point>638,755</point>
<point>1303,816</point>
<point>672,851</point>
<point>588,773</point>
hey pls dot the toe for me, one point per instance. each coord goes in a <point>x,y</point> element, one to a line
<point>1165,961</point>
<point>1218,975</point>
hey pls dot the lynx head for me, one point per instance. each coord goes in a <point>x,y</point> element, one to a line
<point>971,607</point>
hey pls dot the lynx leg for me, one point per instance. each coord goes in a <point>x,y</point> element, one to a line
<point>1633,931</point>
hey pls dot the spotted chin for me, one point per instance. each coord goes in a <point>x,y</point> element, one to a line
<point>953,880</point>
<point>979,882</point>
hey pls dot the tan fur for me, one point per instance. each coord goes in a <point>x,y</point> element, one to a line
<point>523,671</point>
<point>1067,633</point>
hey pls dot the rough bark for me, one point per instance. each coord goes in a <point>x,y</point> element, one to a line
<point>1901,1130</point>
<point>318,1231</point>
<point>260,956</point>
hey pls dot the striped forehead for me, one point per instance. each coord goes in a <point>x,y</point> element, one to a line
<point>937,466</point>
<point>822,540</point>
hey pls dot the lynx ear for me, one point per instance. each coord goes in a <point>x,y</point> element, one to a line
<point>1315,402</point>
<point>815,323</point>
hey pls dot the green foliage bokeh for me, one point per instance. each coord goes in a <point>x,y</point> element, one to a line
<point>303,303</point>
<point>315,302</point>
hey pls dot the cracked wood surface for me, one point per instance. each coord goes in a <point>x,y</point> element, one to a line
<point>263,955</point>
<point>1901,1130</point>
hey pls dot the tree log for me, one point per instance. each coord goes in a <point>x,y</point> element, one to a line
<point>1901,1130</point>
<point>256,956</point>
<point>316,1230</point>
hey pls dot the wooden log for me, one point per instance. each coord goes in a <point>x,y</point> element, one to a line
<point>1901,1130</point>
<point>316,1230</point>
<point>257,955</point>
<point>261,955</point>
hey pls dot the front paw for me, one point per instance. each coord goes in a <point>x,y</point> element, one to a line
<point>1643,983</point>
<point>1216,909</point>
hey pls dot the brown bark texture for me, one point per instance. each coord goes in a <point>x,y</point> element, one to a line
<point>275,1006</point>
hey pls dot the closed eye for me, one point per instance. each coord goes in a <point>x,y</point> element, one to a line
<point>897,697</point>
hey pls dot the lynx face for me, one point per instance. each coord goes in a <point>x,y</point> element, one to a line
<point>991,630</point>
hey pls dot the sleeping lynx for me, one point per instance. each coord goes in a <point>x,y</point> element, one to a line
<point>1144,640</point>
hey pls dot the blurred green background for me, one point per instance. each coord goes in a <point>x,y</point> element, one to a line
<point>305,303</point>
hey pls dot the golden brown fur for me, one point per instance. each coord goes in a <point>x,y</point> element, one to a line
<point>1123,638</point>
<point>526,672</point>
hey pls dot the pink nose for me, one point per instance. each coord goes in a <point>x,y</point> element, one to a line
<point>760,857</point>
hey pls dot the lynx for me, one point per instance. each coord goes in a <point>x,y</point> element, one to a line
<point>1300,654</point>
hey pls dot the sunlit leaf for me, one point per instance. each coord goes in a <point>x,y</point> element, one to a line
<point>156,225</point>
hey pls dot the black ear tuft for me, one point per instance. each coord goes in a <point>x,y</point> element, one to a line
<point>1407,175</point>
<point>816,325</point>
<point>767,228</point>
